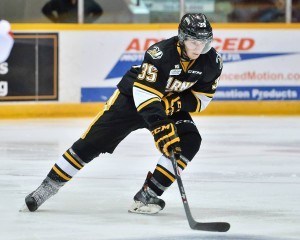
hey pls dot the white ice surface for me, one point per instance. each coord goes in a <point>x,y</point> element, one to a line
<point>247,173</point>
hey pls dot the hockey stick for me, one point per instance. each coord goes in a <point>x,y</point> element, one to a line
<point>203,226</point>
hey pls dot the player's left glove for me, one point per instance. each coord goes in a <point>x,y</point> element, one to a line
<point>165,137</point>
<point>171,103</point>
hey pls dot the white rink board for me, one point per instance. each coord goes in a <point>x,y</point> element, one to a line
<point>259,59</point>
<point>259,64</point>
<point>98,52</point>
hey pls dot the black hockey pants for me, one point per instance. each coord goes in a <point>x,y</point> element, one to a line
<point>118,119</point>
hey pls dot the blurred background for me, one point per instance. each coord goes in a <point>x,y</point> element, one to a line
<point>76,51</point>
<point>148,11</point>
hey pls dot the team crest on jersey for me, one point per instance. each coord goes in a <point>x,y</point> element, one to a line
<point>155,53</point>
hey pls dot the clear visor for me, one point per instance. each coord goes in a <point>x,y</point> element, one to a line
<point>204,40</point>
<point>191,43</point>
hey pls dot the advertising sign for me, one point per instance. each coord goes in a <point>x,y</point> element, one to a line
<point>259,64</point>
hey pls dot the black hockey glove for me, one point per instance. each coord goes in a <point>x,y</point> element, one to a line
<point>165,137</point>
<point>171,103</point>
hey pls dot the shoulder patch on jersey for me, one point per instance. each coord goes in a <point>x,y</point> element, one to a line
<point>219,60</point>
<point>155,53</point>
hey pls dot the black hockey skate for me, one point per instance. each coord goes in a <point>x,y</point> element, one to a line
<point>47,189</point>
<point>146,200</point>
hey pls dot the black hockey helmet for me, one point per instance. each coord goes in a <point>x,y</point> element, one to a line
<point>195,26</point>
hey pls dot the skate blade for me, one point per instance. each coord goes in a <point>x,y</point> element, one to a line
<point>24,208</point>
<point>140,208</point>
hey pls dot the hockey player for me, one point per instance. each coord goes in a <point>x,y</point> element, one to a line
<point>177,76</point>
<point>6,40</point>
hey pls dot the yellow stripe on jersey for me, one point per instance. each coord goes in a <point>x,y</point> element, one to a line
<point>71,159</point>
<point>181,163</point>
<point>144,104</point>
<point>62,175</point>
<point>206,94</point>
<point>165,173</point>
<point>167,105</point>
<point>198,108</point>
<point>186,65</point>
<point>149,89</point>
<point>107,106</point>
<point>111,100</point>
<point>89,128</point>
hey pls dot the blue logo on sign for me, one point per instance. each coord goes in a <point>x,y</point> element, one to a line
<point>124,64</point>
<point>129,59</point>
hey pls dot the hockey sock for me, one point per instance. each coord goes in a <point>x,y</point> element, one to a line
<point>66,167</point>
<point>163,175</point>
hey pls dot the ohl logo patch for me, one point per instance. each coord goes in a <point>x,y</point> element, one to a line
<point>133,55</point>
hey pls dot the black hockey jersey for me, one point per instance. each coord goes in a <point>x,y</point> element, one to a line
<point>163,71</point>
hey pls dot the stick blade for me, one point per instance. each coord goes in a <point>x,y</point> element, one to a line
<point>211,226</point>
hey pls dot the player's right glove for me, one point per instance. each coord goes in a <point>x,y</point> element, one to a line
<point>165,137</point>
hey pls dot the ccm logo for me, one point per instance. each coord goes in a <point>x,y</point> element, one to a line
<point>233,44</point>
<point>160,129</point>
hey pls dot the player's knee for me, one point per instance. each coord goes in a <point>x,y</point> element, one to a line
<point>190,144</point>
<point>190,139</point>
<point>86,151</point>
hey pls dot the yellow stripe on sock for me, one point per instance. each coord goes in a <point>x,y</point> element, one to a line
<point>73,160</point>
<point>181,163</point>
<point>61,174</point>
<point>165,173</point>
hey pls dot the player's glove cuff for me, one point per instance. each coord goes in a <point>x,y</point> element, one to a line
<point>172,103</point>
<point>165,137</point>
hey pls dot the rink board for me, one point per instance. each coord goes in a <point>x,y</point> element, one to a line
<point>216,108</point>
<point>260,76</point>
